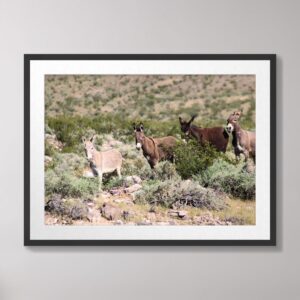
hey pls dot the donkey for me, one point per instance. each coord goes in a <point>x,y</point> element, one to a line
<point>215,136</point>
<point>154,149</point>
<point>243,141</point>
<point>102,162</point>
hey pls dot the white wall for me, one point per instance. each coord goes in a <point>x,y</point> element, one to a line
<point>95,26</point>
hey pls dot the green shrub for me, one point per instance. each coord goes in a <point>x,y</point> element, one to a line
<point>178,193</point>
<point>48,130</point>
<point>192,158</point>
<point>165,170</point>
<point>135,166</point>
<point>65,177</point>
<point>68,185</point>
<point>49,149</point>
<point>112,182</point>
<point>70,129</point>
<point>232,179</point>
<point>69,162</point>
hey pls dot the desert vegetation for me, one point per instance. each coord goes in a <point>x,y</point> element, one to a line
<point>202,187</point>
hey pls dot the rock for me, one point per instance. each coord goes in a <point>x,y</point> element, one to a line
<point>178,214</point>
<point>182,213</point>
<point>47,160</point>
<point>93,215</point>
<point>144,223</point>
<point>172,223</point>
<point>127,215</point>
<point>116,191</point>
<point>55,204</point>
<point>136,179</point>
<point>105,195</point>
<point>162,223</point>
<point>49,220</point>
<point>110,212</point>
<point>51,140</point>
<point>78,212</point>
<point>130,180</point>
<point>208,219</point>
<point>133,188</point>
<point>151,216</point>
<point>125,200</point>
<point>118,222</point>
<point>173,213</point>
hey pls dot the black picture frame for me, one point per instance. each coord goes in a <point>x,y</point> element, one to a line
<point>31,57</point>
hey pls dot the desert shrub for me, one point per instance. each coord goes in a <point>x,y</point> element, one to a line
<point>229,178</point>
<point>192,159</point>
<point>70,129</point>
<point>135,166</point>
<point>48,130</point>
<point>49,149</point>
<point>171,193</point>
<point>68,185</point>
<point>112,182</point>
<point>72,208</point>
<point>64,177</point>
<point>69,162</point>
<point>139,166</point>
<point>165,170</point>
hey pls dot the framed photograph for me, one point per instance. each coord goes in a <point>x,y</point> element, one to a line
<point>150,149</point>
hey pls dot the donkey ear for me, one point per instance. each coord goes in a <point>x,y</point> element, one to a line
<point>134,127</point>
<point>92,139</point>
<point>83,139</point>
<point>192,119</point>
<point>238,113</point>
<point>142,127</point>
<point>180,119</point>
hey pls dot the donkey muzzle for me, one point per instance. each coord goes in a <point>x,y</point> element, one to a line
<point>229,128</point>
<point>138,146</point>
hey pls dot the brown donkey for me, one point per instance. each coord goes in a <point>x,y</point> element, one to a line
<point>243,141</point>
<point>215,136</point>
<point>154,149</point>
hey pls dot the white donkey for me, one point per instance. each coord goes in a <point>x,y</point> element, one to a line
<point>102,161</point>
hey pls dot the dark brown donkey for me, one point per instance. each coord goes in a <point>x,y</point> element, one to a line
<point>154,149</point>
<point>215,136</point>
<point>243,141</point>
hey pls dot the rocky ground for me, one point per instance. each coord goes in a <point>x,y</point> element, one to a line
<point>117,207</point>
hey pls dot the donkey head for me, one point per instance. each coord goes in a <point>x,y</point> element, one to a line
<point>89,147</point>
<point>139,136</point>
<point>185,126</point>
<point>232,121</point>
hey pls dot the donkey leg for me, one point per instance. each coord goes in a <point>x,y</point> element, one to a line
<point>100,179</point>
<point>173,159</point>
<point>119,172</point>
<point>246,154</point>
<point>237,154</point>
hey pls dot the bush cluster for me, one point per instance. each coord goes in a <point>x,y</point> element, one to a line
<point>192,159</point>
<point>229,178</point>
<point>70,129</point>
<point>172,193</point>
<point>65,177</point>
<point>72,208</point>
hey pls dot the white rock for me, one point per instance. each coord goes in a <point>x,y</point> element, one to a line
<point>133,188</point>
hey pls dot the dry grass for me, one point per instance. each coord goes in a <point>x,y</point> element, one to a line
<point>142,96</point>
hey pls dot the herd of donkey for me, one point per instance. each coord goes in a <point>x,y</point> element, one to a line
<point>161,148</point>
